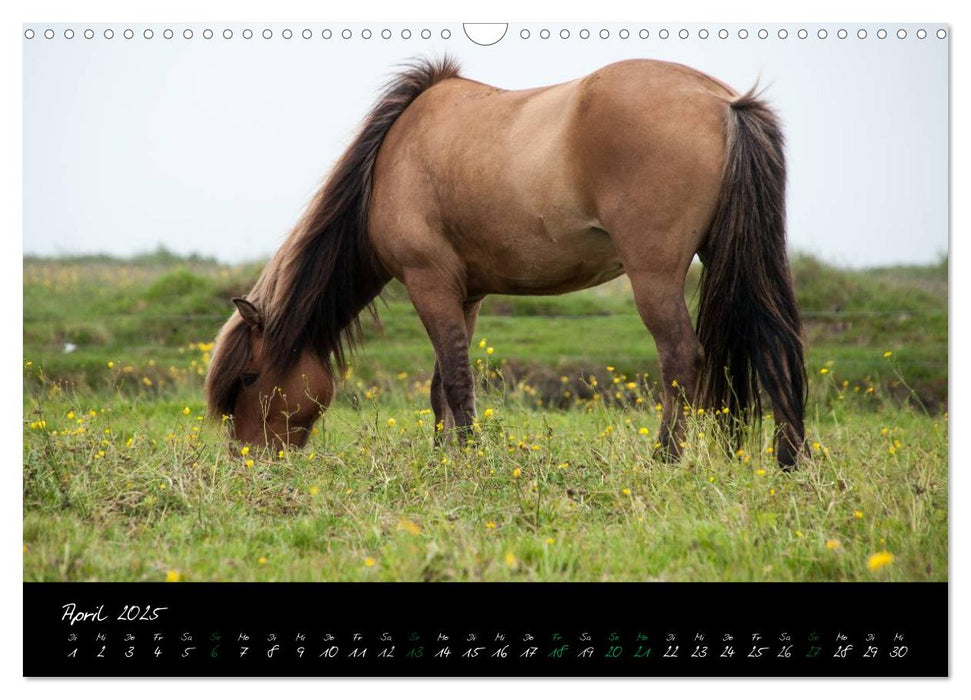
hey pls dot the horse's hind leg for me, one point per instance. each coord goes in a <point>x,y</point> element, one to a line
<point>443,414</point>
<point>660,302</point>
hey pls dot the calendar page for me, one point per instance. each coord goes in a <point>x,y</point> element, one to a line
<point>527,349</point>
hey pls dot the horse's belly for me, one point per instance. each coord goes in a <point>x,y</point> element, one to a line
<point>552,263</point>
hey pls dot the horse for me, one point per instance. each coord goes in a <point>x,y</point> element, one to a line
<point>460,189</point>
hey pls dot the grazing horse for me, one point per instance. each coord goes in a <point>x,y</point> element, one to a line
<point>459,190</point>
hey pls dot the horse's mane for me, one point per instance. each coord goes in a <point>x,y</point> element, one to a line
<point>325,273</point>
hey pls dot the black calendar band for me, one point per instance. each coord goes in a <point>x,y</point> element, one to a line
<point>486,629</point>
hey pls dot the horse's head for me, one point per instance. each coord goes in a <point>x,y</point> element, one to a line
<point>269,406</point>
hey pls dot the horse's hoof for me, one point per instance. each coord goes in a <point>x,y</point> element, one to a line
<point>789,458</point>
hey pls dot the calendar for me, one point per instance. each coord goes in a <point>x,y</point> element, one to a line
<point>516,349</point>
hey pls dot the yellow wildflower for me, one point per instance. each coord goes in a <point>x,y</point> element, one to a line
<point>832,544</point>
<point>369,562</point>
<point>879,560</point>
<point>391,422</point>
<point>408,526</point>
<point>173,576</point>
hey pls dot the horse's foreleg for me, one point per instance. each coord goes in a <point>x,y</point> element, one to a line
<point>663,311</point>
<point>445,319</point>
<point>443,414</point>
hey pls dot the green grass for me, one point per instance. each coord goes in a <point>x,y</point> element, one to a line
<point>557,487</point>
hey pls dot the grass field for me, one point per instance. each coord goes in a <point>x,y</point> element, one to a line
<point>124,480</point>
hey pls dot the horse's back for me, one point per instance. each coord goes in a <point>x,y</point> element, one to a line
<point>522,181</point>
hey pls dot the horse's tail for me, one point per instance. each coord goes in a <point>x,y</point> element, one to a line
<point>748,321</point>
<point>327,272</point>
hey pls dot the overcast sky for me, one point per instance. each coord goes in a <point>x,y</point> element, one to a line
<point>214,146</point>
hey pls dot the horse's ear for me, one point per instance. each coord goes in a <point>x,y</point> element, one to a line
<point>250,314</point>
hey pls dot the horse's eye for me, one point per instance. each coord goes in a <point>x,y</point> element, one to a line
<point>249,379</point>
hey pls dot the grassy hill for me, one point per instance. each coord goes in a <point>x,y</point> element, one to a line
<point>145,314</point>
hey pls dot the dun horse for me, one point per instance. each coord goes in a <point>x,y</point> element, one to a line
<point>459,190</point>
